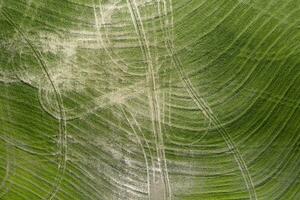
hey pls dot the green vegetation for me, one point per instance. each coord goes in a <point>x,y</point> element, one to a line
<point>149,99</point>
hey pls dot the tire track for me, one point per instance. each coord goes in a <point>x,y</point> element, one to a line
<point>153,97</point>
<point>141,146</point>
<point>208,113</point>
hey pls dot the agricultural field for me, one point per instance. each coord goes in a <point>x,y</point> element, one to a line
<point>149,99</point>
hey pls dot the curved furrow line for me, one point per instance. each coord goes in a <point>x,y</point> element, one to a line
<point>198,139</point>
<point>278,131</point>
<point>236,39</point>
<point>49,26</point>
<point>63,191</point>
<point>288,119</point>
<point>264,121</point>
<point>261,12</point>
<point>18,145</point>
<point>267,13</point>
<point>207,112</point>
<point>26,189</point>
<point>250,93</point>
<point>203,151</point>
<point>257,127</point>
<point>202,6</point>
<point>256,130</point>
<point>38,186</point>
<point>22,148</point>
<point>283,163</point>
<point>91,183</point>
<point>254,68</point>
<point>216,25</point>
<point>59,16</point>
<point>295,180</point>
<point>291,178</point>
<point>248,42</point>
<point>266,86</point>
<point>198,7</point>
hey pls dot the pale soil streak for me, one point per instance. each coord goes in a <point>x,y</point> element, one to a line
<point>120,96</point>
<point>208,113</point>
<point>154,102</point>
<point>141,146</point>
<point>62,122</point>
<point>9,171</point>
<point>108,50</point>
<point>143,135</point>
<point>153,98</point>
<point>168,93</point>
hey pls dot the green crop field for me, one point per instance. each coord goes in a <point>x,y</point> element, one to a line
<point>149,99</point>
